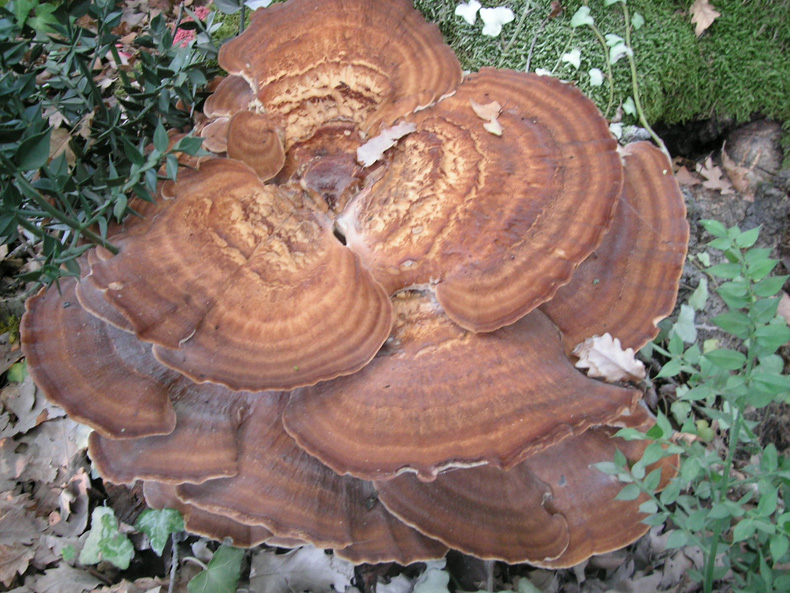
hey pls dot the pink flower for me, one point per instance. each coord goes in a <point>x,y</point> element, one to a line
<point>184,36</point>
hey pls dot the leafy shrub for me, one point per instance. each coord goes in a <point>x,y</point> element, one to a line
<point>728,496</point>
<point>74,150</point>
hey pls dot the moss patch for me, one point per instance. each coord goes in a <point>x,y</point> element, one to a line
<point>739,67</point>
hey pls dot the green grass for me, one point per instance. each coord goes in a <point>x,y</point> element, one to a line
<point>739,67</point>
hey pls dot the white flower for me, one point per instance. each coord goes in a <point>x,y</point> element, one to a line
<point>494,18</point>
<point>596,77</point>
<point>543,72</point>
<point>616,130</point>
<point>468,11</point>
<point>573,57</point>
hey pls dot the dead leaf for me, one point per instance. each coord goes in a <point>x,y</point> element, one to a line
<point>488,112</point>
<point>63,579</point>
<point>59,144</point>
<point>715,178</point>
<point>686,178</point>
<point>374,149</point>
<point>145,585</point>
<point>605,358</point>
<point>303,569</point>
<point>702,15</point>
<point>28,406</point>
<point>14,560</point>
<point>494,127</point>
<point>784,307</point>
<point>741,174</point>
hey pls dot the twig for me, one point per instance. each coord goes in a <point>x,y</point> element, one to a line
<point>489,576</point>
<point>176,539</point>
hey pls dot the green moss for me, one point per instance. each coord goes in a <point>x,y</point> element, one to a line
<point>10,325</point>
<point>739,66</point>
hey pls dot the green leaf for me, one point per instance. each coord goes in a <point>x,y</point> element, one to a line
<point>761,269</point>
<point>188,144</point>
<point>771,337</point>
<point>648,507</point>
<point>172,167</point>
<point>652,480</point>
<point>684,326</point>
<point>630,434</point>
<point>653,452</point>
<point>161,141</point>
<point>735,293</point>
<point>629,492</point>
<point>582,17</point>
<point>779,545</point>
<point>714,227</point>
<point>768,287</point>
<point>699,297</point>
<point>743,530</point>
<point>770,458</point>
<point>747,238</point>
<point>671,492</point>
<point>773,384</point>
<point>17,372</point>
<point>222,573</point>
<point>670,369</point>
<point>33,153</point>
<point>68,553</point>
<point>727,271</point>
<point>105,542</point>
<point>158,525</point>
<point>764,310</point>
<point>637,21</point>
<point>228,6</point>
<point>677,539</point>
<point>729,360</point>
<point>735,323</point>
<point>769,497</point>
<point>132,153</point>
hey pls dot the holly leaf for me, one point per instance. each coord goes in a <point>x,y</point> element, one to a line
<point>604,357</point>
<point>702,15</point>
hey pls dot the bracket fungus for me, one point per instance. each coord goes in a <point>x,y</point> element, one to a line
<point>373,354</point>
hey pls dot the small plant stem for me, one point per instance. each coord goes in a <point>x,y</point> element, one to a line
<point>609,77</point>
<point>528,7</point>
<point>635,86</point>
<point>489,576</point>
<point>534,41</point>
<point>60,217</point>
<point>176,538</point>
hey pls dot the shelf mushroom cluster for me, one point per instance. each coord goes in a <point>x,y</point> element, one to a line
<point>366,346</point>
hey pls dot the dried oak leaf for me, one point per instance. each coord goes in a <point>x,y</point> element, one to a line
<point>702,15</point>
<point>604,357</point>
<point>715,178</point>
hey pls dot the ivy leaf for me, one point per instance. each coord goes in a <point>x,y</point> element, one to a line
<point>582,17</point>
<point>106,542</point>
<point>158,525</point>
<point>222,573</point>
